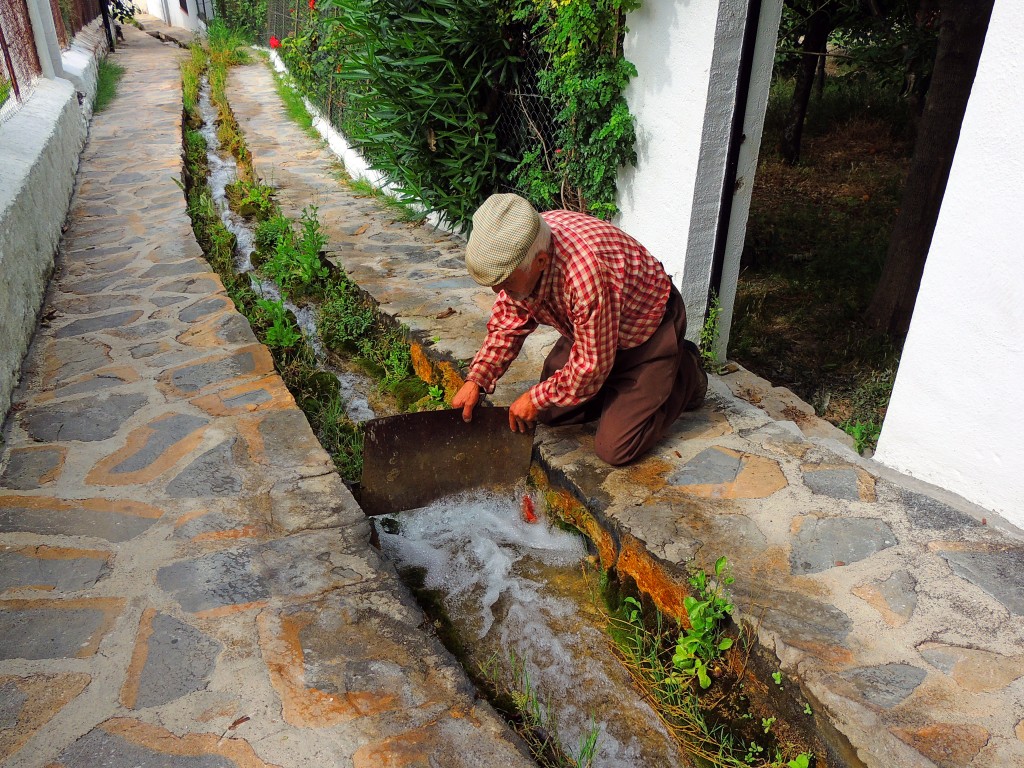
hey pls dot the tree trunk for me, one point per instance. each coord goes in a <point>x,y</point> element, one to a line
<point>961,36</point>
<point>819,25</point>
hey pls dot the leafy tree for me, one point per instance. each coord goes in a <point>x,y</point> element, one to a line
<point>962,25</point>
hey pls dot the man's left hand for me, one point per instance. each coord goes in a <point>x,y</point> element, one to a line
<point>522,414</point>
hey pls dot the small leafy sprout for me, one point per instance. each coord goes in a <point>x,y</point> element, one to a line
<point>767,723</point>
<point>435,339</point>
<point>802,760</point>
<point>777,677</point>
<point>436,394</point>
<point>754,751</point>
<point>807,709</point>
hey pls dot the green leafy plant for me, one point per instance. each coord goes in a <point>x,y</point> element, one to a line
<point>270,231</point>
<point>281,331</point>
<point>422,79</point>
<point>702,642</point>
<point>664,660</point>
<point>865,434</point>
<point>251,199</point>
<point>226,44</point>
<point>247,17</point>
<point>296,265</point>
<point>709,335</point>
<point>777,677</point>
<point>585,81</point>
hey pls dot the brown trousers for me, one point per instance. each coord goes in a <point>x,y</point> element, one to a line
<point>648,387</point>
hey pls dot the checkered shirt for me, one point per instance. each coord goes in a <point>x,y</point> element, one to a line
<point>602,289</point>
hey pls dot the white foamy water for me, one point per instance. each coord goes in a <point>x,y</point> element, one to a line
<point>514,588</point>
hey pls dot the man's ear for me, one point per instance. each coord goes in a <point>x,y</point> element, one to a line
<point>543,258</point>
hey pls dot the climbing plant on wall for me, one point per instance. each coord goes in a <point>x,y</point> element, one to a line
<point>427,88</point>
<point>584,80</point>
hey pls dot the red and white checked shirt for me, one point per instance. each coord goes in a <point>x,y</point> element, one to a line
<point>602,289</point>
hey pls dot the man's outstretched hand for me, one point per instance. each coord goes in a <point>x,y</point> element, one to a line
<point>466,399</point>
<point>522,414</point>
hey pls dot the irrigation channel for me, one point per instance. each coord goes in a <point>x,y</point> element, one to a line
<point>520,600</point>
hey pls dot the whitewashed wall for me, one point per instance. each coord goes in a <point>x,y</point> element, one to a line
<point>170,11</point>
<point>956,418</point>
<point>687,58</point>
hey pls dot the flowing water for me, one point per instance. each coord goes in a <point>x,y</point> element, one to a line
<point>511,589</point>
<point>356,389</point>
<point>516,590</point>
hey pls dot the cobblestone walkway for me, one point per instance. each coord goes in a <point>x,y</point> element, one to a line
<point>899,614</point>
<point>185,582</point>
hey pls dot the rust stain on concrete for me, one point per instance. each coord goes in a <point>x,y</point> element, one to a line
<point>667,593</point>
<point>219,403</point>
<point>130,689</point>
<point>301,706</point>
<point>45,695</point>
<point>157,739</point>
<point>102,473</point>
<point>405,750</point>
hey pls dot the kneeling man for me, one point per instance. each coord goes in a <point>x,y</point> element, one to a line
<point>622,359</point>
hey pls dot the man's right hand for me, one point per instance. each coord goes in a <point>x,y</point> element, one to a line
<point>466,399</point>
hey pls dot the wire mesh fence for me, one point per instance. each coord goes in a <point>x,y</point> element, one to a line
<point>58,22</point>
<point>75,14</point>
<point>525,119</point>
<point>20,61</point>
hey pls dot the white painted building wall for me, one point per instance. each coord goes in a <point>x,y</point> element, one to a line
<point>171,12</point>
<point>687,56</point>
<point>672,45</point>
<point>956,418</point>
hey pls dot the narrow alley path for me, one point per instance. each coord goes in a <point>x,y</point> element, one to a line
<point>185,582</point>
<point>185,579</point>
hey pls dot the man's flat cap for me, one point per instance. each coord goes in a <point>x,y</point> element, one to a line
<point>504,228</point>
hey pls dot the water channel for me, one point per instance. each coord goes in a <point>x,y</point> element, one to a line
<point>511,589</point>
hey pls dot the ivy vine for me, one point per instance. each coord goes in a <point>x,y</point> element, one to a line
<point>585,80</point>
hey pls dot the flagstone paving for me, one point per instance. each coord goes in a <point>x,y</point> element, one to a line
<point>185,580</point>
<point>872,594</point>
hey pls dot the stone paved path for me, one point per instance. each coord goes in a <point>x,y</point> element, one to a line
<point>184,579</point>
<point>177,554</point>
<point>899,614</point>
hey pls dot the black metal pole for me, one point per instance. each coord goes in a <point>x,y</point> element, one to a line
<point>106,23</point>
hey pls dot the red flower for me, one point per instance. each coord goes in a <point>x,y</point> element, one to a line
<point>312,5</point>
<point>274,42</point>
<point>558,151</point>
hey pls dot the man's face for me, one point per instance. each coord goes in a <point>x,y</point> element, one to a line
<point>521,283</point>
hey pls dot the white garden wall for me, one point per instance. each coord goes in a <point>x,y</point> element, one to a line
<point>687,56</point>
<point>39,149</point>
<point>956,418</point>
<point>170,11</point>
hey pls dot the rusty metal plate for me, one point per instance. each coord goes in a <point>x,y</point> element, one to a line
<point>413,459</point>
